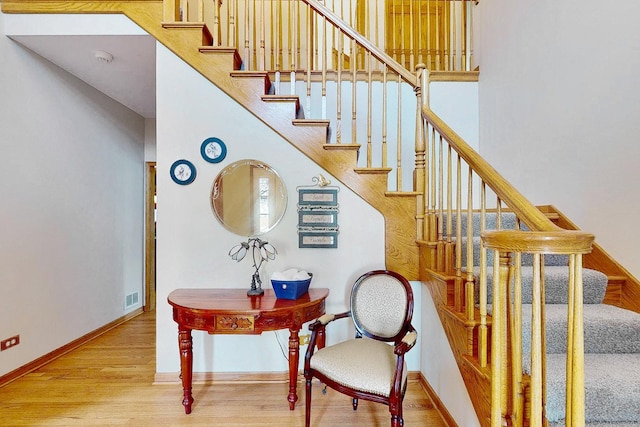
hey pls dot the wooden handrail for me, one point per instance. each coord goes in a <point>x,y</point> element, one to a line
<point>529,214</point>
<point>544,242</point>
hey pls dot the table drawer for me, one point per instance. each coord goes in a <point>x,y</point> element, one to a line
<point>195,321</point>
<point>230,323</point>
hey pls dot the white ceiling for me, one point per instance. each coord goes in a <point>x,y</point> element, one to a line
<point>71,41</point>
<point>129,79</point>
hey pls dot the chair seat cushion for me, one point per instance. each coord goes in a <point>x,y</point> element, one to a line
<point>362,364</point>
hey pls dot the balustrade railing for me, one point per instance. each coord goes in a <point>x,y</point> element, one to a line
<point>278,34</point>
<point>339,56</point>
<point>438,33</point>
<point>349,66</point>
<point>506,342</point>
<point>462,195</point>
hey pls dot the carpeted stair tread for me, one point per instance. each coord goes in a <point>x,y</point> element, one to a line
<point>607,329</point>
<point>556,281</point>
<point>612,387</point>
<point>612,334</point>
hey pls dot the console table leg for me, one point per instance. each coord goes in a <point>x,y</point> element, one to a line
<point>185,342</point>
<point>294,353</point>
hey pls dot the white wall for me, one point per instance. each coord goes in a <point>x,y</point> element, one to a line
<point>457,104</point>
<point>150,140</point>
<point>192,247</point>
<point>559,105</point>
<point>71,205</point>
<point>440,369</point>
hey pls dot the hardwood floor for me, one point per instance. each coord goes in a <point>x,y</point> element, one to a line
<point>109,382</point>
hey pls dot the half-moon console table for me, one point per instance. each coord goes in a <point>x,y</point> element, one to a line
<point>231,311</point>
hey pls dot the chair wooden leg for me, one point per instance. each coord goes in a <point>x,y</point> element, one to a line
<point>307,408</point>
<point>355,403</point>
<point>396,417</point>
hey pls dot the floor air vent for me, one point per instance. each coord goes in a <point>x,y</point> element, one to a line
<point>131,300</point>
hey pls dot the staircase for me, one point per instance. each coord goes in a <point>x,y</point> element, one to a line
<point>421,241</point>
<point>612,334</point>
<point>283,113</point>
<point>611,338</point>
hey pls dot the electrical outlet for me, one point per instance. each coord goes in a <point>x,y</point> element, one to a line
<point>9,342</point>
<point>304,339</point>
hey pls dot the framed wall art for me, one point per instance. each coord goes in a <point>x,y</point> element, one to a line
<point>318,215</point>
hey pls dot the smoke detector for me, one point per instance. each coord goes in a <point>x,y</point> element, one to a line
<point>103,56</point>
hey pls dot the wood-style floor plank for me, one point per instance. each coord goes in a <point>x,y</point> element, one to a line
<point>109,382</point>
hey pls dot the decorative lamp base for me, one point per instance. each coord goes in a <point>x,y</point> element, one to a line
<point>255,292</point>
<point>256,285</point>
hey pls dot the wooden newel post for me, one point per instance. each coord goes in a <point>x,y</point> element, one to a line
<point>419,170</point>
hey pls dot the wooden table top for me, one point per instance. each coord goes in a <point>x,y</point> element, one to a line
<point>235,300</point>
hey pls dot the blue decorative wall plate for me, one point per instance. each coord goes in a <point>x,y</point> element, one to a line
<point>183,172</point>
<point>213,150</point>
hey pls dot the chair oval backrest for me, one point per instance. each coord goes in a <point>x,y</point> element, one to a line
<point>382,305</point>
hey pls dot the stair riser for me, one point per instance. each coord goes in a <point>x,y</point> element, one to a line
<point>556,284</point>
<point>507,222</point>
<point>607,329</point>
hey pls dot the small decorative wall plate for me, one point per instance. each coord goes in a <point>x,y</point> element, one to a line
<point>183,172</point>
<point>213,150</point>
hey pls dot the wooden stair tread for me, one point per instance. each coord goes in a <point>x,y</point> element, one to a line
<point>242,73</point>
<point>341,146</point>
<point>311,122</point>
<point>281,98</point>
<point>217,49</point>
<point>380,171</point>
<point>180,24</point>
<point>402,193</point>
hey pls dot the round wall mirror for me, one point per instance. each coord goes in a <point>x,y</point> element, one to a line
<point>248,198</point>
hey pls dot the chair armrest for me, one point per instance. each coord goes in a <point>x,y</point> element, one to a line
<point>326,319</point>
<point>407,343</point>
<point>322,320</point>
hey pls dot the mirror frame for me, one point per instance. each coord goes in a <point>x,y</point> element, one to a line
<point>249,224</point>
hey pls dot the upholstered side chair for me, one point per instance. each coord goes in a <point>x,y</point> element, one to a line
<point>370,366</point>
